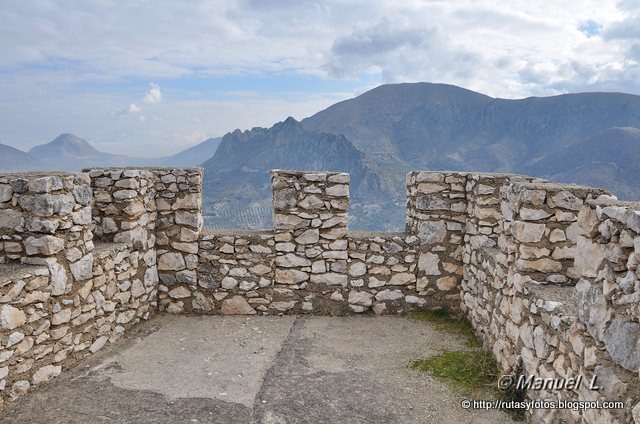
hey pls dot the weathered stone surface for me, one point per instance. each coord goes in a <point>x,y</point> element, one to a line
<point>61,317</point>
<point>188,201</point>
<point>45,374</point>
<point>45,245</point>
<point>361,298</point>
<point>566,200</point>
<point>428,188</point>
<point>427,202</point>
<point>290,276</point>
<point>428,262</point>
<point>291,260</point>
<point>58,278</point>
<point>611,385</point>
<point>415,300</point>
<point>357,269</point>
<point>6,192</point>
<point>402,279</point>
<point>98,344</point>
<point>185,247</point>
<point>124,194</point>
<point>622,341</point>
<point>41,225</point>
<point>432,232</point>
<point>109,226</point>
<point>589,256</point>
<point>82,269</point>
<point>337,296</point>
<point>10,219</point>
<point>533,196</point>
<point>389,295</point>
<point>447,283</point>
<point>45,184</point>
<point>179,292</point>
<point>540,265</point>
<point>284,198</point>
<point>171,262</point>
<point>283,306</point>
<point>309,236</point>
<point>338,190</point>
<point>330,279</point>
<point>237,305</point>
<point>557,235</point>
<point>229,283</point>
<point>527,232</point>
<point>311,202</point>
<point>11,317</point>
<point>190,219</point>
<point>260,269</point>
<point>83,194</point>
<point>527,214</point>
<point>591,308</point>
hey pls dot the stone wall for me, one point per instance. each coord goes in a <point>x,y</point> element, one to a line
<point>309,263</point>
<point>45,220</point>
<point>436,213</point>
<point>62,297</point>
<point>532,294</point>
<point>179,205</point>
<point>382,273</point>
<point>546,273</point>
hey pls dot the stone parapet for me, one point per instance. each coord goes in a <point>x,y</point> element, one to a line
<point>42,332</point>
<point>46,220</point>
<point>178,228</point>
<point>546,273</point>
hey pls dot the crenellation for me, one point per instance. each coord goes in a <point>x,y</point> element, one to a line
<point>178,228</point>
<point>547,273</point>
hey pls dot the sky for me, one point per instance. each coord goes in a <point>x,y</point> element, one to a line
<point>151,78</point>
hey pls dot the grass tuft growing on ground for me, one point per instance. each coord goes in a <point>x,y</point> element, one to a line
<point>472,370</point>
<point>468,370</point>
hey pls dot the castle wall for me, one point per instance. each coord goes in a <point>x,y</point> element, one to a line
<point>546,273</point>
<point>309,262</point>
<point>436,213</point>
<point>531,295</point>
<point>62,297</point>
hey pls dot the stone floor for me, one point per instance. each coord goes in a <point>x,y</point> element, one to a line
<point>180,369</point>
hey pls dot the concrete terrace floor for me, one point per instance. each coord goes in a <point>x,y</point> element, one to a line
<point>186,369</point>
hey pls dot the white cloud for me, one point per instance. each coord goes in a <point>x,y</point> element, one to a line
<point>96,53</point>
<point>132,108</point>
<point>154,95</point>
<point>449,41</point>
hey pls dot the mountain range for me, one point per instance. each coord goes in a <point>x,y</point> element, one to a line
<point>68,152</point>
<point>584,138</point>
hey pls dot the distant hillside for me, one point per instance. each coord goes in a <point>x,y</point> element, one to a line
<point>237,186</point>
<point>610,158</point>
<point>68,152</point>
<point>71,153</point>
<point>438,126</point>
<point>193,156</point>
<point>13,160</point>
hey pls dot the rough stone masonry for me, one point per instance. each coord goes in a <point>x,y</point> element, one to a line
<point>547,274</point>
